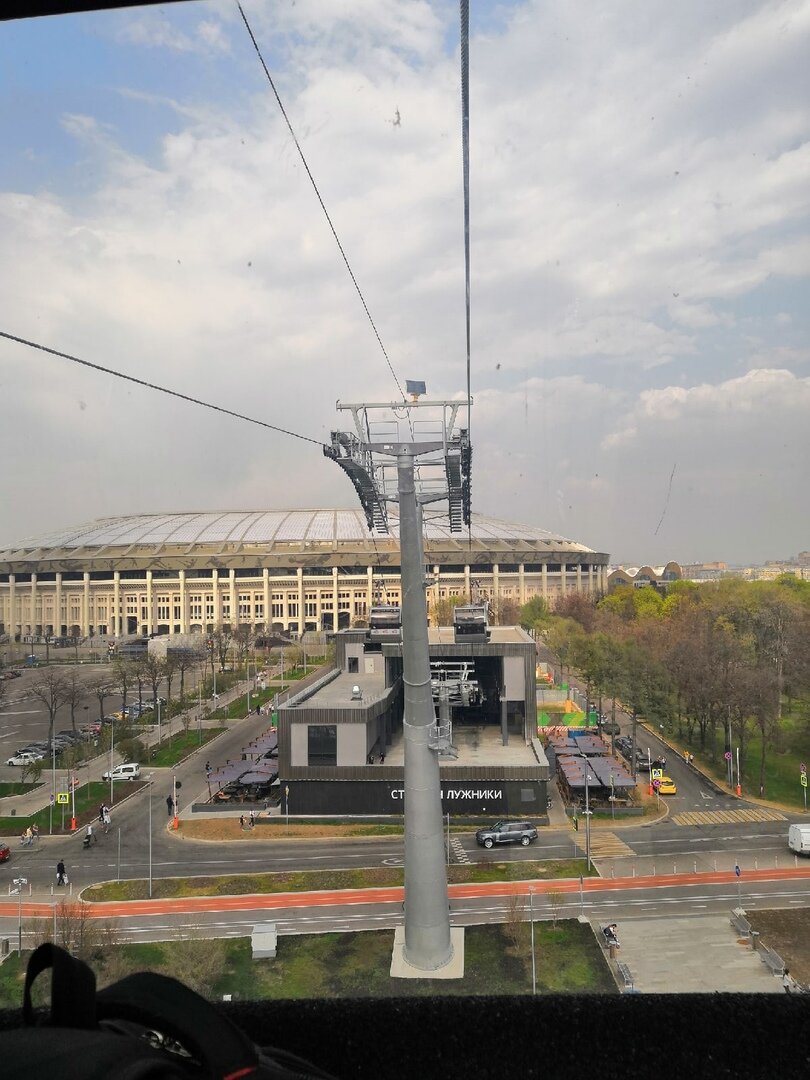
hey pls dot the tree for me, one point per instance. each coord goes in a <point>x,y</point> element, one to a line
<point>579,607</point>
<point>102,690</point>
<point>535,614</point>
<point>222,636</point>
<point>53,690</point>
<point>243,638</point>
<point>506,611</point>
<point>442,611</point>
<point>154,669</point>
<point>76,695</point>
<point>560,639</point>
<point>123,677</point>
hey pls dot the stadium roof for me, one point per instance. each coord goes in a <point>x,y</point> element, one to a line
<point>272,537</point>
<point>266,527</point>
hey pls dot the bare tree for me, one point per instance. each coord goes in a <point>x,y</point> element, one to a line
<point>77,694</point>
<point>102,689</point>
<point>515,919</point>
<point>122,675</point>
<point>54,691</point>
<point>555,899</point>
<point>154,669</point>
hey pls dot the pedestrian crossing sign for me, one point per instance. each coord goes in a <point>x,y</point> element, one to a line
<point>62,797</point>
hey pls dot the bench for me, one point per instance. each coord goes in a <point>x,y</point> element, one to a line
<point>772,959</point>
<point>624,974</point>
<point>740,923</point>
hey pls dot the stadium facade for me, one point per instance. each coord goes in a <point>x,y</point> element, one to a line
<point>290,570</point>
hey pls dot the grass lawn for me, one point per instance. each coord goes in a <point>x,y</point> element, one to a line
<point>11,788</point>
<point>315,880</point>
<point>180,745</point>
<point>88,799</point>
<point>497,960</point>
<point>782,760</point>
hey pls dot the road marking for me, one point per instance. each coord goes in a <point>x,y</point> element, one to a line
<point>724,817</point>
<point>458,850</point>
<point>603,845</point>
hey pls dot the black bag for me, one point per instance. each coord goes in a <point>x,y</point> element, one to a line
<point>145,1026</point>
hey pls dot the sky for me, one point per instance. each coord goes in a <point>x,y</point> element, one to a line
<point>640,258</point>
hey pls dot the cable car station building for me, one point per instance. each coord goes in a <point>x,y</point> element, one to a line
<point>341,748</point>
<point>287,570</point>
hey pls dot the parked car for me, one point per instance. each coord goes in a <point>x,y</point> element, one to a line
<point>507,832</point>
<point>129,770</point>
<point>26,757</point>
<point>5,852</point>
<point>667,786</point>
<point>610,727</point>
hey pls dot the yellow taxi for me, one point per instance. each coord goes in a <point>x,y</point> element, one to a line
<point>667,786</point>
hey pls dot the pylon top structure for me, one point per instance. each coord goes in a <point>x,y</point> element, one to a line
<point>427,429</point>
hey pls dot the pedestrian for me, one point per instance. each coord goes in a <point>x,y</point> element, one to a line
<point>787,982</point>
<point>252,818</point>
<point>242,821</point>
<point>35,831</point>
<point>382,758</point>
<point>107,820</point>
<point>101,812</point>
<point>169,805</point>
<point>258,709</point>
<point>208,768</point>
<point>61,876</point>
<point>90,836</point>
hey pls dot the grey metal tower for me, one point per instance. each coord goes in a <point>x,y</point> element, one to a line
<point>412,458</point>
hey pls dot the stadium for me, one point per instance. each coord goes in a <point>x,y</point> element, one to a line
<point>287,570</point>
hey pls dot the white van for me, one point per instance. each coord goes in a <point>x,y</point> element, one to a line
<point>129,771</point>
<point>799,839</point>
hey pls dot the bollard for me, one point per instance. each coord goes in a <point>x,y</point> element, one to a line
<point>715,864</point>
<point>653,873</point>
<point>695,865</point>
<point>756,864</point>
<point>674,868</point>
<point>612,952</point>
<point>613,871</point>
<point>755,940</point>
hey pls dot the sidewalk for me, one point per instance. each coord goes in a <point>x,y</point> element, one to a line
<point>691,955</point>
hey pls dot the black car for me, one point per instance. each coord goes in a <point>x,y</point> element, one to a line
<point>507,832</point>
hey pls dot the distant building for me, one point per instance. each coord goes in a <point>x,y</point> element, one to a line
<point>657,577</point>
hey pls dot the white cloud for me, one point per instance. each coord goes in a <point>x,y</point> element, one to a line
<point>639,242</point>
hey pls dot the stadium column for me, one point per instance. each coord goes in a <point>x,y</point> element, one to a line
<point>266,590</point>
<point>521,584</point>
<point>467,587</point>
<point>215,618</point>
<point>150,599</point>
<point>234,620</point>
<point>57,603</point>
<point>590,579</point>
<point>86,605</point>
<point>496,586</point>
<point>33,604</point>
<point>563,579</point>
<point>12,606</point>
<point>369,589</point>
<point>335,607</point>
<point>579,577</point>
<point>117,623</point>
<point>183,611</point>
<point>300,599</point>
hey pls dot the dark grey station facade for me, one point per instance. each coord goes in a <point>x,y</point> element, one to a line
<point>341,748</point>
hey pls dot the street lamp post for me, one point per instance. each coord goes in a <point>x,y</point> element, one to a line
<point>151,785</point>
<point>19,882</point>
<point>531,916</point>
<point>587,818</point>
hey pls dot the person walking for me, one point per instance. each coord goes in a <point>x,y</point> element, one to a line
<point>61,876</point>
<point>252,818</point>
<point>170,805</point>
<point>242,822</point>
<point>90,837</point>
<point>107,820</point>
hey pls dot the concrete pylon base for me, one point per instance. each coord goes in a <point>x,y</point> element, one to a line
<point>453,969</point>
